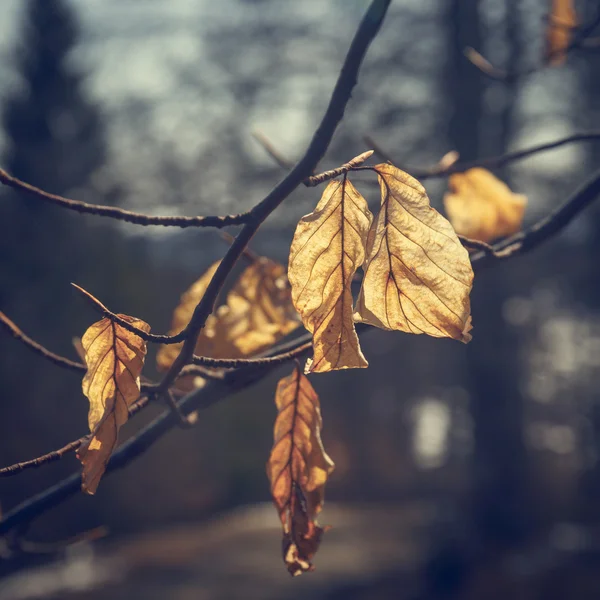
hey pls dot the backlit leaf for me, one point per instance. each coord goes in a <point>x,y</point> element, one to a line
<point>181,317</point>
<point>298,469</point>
<point>482,207</point>
<point>561,21</point>
<point>417,275</point>
<point>327,249</point>
<point>114,357</point>
<point>258,312</point>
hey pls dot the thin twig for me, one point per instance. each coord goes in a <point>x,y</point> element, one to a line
<point>239,379</point>
<point>199,399</point>
<point>581,34</point>
<point>476,244</point>
<point>492,162</point>
<point>185,421</point>
<point>312,180</point>
<point>367,30</point>
<point>333,173</point>
<point>249,254</point>
<point>244,362</point>
<point>120,214</point>
<point>61,361</point>
<point>527,240</point>
<point>41,460</point>
<point>55,455</point>
<point>270,149</point>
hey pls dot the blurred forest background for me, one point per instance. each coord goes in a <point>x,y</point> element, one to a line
<point>490,450</point>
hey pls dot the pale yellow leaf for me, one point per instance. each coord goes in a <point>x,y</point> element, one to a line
<point>482,207</point>
<point>561,22</point>
<point>327,249</point>
<point>418,276</point>
<point>298,469</point>
<point>114,357</point>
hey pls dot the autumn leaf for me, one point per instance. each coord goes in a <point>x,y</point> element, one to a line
<point>114,357</point>
<point>258,312</point>
<point>327,249</point>
<point>562,20</point>
<point>417,274</point>
<point>259,309</point>
<point>181,317</point>
<point>482,207</point>
<point>298,469</point>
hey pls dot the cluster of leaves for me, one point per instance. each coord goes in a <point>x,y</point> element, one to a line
<point>416,278</point>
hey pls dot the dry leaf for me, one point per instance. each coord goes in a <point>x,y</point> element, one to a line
<point>562,20</point>
<point>259,309</point>
<point>298,469</point>
<point>482,207</point>
<point>114,357</point>
<point>258,312</point>
<point>181,317</point>
<point>327,249</point>
<point>418,275</point>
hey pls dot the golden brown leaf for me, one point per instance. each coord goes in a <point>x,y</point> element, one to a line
<point>181,317</point>
<point>327,249</point>
<point>298,469</point>
<point>418,275</point>
<point>482,207</point>
<point>258,312</point>
<point>561,22</point>
<point>114,357</point>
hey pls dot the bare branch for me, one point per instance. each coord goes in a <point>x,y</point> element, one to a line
<point>61,361</point>
<point>55,455</point>
<point>301,349</point>
<point>333,173</point>
<point>367,30</point>
<point>121,214</point>
<point>492,162</point>
<point>214,391</point>
<point>524,241</point>
<point>581,35</point>
<point>270,149</point>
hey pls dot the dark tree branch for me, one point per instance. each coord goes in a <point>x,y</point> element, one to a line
<point>119,213</point>
<point>492,162</point>
<point>61,361</point>
<point>239,379</point>
<point>527,240</point>
<point>58,454</point>
<point>367,30</point>
<point>243,377</point>
<point>237,363</point>
<point>578,41</point>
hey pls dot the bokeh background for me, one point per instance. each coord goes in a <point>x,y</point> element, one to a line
<point>462,471</point>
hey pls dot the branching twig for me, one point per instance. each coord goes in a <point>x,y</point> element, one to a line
<point>489,163</point>
<point>313,180</point>
<point>545,228</point>
<point>581,34</point>
<point>347,79</point>
<point>121,214</point>
<point>241,378</point>
<point>236,380</point>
